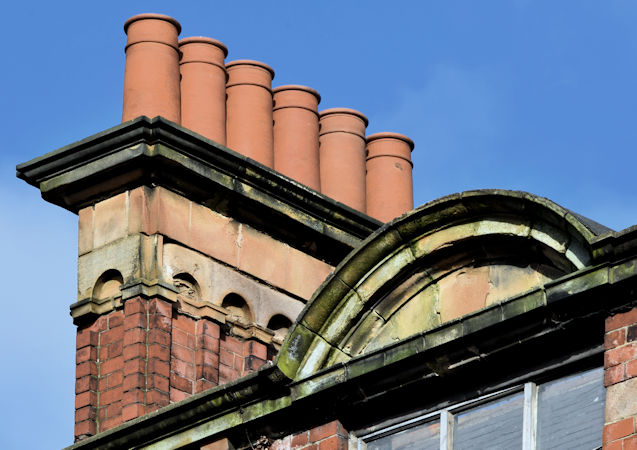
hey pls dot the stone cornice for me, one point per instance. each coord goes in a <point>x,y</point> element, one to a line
<point>159,152</point>
<point>88,309</point>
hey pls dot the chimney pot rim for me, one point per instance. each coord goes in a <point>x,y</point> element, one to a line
<point>298,87</point>
<point>391,135</point>
<point>347,111</point>
<point>154,16</point>
<point>250,62</point>
<point>204,40</point>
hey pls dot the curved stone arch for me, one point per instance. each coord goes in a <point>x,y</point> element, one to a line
<point>238,307</point>
<point>457,234</point>
<point>181,264</point>
<point>187,285</point>
<point>280,324</point>
<point>107,285</point>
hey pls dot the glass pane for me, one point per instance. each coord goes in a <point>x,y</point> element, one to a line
<point>571,412</point>
<point>421,437</point>
<point>494,425</point>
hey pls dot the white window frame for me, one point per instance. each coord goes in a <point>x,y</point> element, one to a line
<point>447,422</point>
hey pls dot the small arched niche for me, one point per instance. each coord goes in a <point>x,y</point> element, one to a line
<point>108,285</point>
<point>237,307</point>
<point>187,285</point>
<point>280,325</point>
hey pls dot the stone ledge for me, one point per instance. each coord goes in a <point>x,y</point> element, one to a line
<point>87,309</point>
<point>202,309</point>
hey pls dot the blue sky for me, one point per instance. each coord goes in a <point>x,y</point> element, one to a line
<point>533,95</point>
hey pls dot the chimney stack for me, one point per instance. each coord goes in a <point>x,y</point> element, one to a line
<point>151,77</point>
<point>153,327</point>
<point>233,104</point>
<point>296,134</point>
<point>342,155</point>
<point>249,110</point>
<point>389,180</point>
<point>203,87</point>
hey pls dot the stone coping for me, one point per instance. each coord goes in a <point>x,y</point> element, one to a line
<point>557,325</point>
<point>156,151</point>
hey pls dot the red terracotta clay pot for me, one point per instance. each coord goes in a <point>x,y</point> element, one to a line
<point>249,110</point>
<point>151,77</point>
<point>389,175</point>
<point>203,87</point>
<point>296,127</point>
<point>342,155</point>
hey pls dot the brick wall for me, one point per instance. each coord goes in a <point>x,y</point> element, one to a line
<point>620,379</point>
<point>194,357</point>
<point>150,352</point>
<point>330,436</point>
<point>87,376</point>
<point>134,361</point>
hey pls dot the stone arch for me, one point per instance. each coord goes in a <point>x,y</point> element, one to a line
<point>107,285</point>
<point>238,308</point>
<point>187,285</point>
<point>178,260</point>
<point>445,259</point>
<point>280,324</point>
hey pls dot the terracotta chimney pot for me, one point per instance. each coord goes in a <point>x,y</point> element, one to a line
<point>389,175</point>
<point>296,128</point>
<point>203,87</point>
<point>249,110</point>
<point>151,77</point>
<point>342,155</point>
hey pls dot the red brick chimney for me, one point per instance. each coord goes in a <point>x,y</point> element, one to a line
<point>193,260</point>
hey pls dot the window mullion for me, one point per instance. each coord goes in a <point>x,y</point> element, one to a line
<point>446,430</point>
<point>529,426</point>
